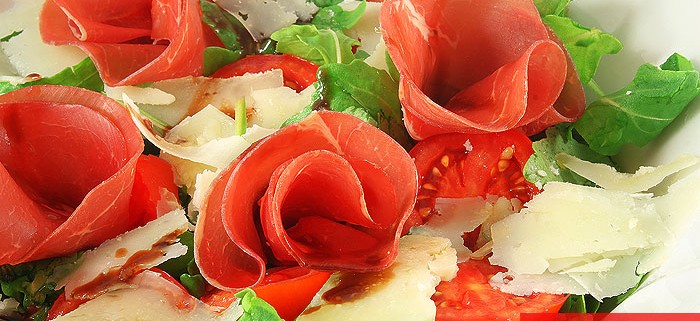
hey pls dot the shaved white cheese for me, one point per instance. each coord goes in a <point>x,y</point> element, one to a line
<point>421,264</point>
<point>158,235</point>
<point>576,239</point>
<point>192,94</point>
<point>151,298</point>
<point>262,18</point>
<point>378,57</point>
<point>273,106</point>
<point>456,216</point>
<point>144,95</point>
<point>568,220</point>
<point>607,177</point>
<point>366,30</point>
<point>27,53</point>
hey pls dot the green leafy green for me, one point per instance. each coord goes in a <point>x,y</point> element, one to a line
<point>185,269</point>
<point>334,17</point>
<point>363,91</point>
<point>551,7</point>
<point>232,33</point>
<point>11,35</point>
<point>585,45</point>
<point>255,308</point>
<point>83,75</point>
<point>637,113</point>
<point>542,167</point>
<point>326,3</point>
<point>318,46</point>
<point>195,284</point>
<point>33,284</point>
<point>217,57</point>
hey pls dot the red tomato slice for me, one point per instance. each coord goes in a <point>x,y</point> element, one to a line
<point>153,174</point>
<point>469,297</point>
<point>464,165</point>
<point>288,290</point>
<point>297,72</point>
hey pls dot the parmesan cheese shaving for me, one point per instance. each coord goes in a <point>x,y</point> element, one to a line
<point>262,18</point>
<point>157,235</point>
<point>421,264</point>
<point>607,177</point>
<point>577,239</point>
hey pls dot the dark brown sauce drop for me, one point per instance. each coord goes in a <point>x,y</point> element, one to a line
<point>355,286</point>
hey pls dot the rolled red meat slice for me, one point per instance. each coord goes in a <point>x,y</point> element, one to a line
<point>478,67</point>
<point>130,42</point>
<point>331,193</point>
<point>67,167</point>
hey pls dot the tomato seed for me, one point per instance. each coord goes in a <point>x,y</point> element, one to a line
<point>445,160</point>
<point>503,165</point>
<point>430,187</point>
<point>507,153</point>
<point>437,172</point>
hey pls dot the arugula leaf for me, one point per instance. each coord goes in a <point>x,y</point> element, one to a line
<point>318,46</point>
<point>11,35</point>
<point>326,3</point>
<point>551,7</point>
<point>585,45</point>
<point>542,167</point>
<point>334,17</point>
<point>367,93</point>
<point>637,113</point>
<point>33,284</point>
<point>255,308</point>
<point>232,33</point>
<point>217,57</point>
<point>83,75</point>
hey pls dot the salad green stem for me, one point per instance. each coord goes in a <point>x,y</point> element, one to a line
<point>241,118</point>
<point>596,89</point>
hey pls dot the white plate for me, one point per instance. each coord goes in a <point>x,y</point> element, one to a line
<point>651,30</point>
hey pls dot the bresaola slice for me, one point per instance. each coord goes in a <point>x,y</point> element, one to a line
<point>131,42</point>
<point>478,67</point>
<point>330,193</point>
<point>67,159</point>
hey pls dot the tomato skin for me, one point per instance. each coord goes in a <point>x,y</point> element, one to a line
<point>470,165</point>
<point>152,175</point>
<point>470,297</point>
<point>297,72</point>
<point>288,290</point>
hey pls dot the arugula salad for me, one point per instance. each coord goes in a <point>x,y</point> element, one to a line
<point>329,160</point>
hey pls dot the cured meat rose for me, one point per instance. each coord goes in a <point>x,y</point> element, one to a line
<point>478,66</point>
<point>131,42</point>
<point>330,193</point>
<point>67,159</point>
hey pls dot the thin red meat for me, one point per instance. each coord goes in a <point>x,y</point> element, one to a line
<point>67,167</point>
<point>131,42</point>
<point>478,66</point>
<point>329,193</point>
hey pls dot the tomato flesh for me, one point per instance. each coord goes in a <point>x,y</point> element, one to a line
<point>463,165</point>
<point>288,290</point>
<point>153,174</point>
<point>469,297</point>
<point>297,72</point>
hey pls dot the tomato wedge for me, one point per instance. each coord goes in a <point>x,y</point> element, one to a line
<point>464,165</point>
<point>469,297</point>
<point>297,72</point>
<point>288,290</point>
<point>153,174</point>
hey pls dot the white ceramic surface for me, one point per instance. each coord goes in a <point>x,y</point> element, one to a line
<point>651,30</point>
